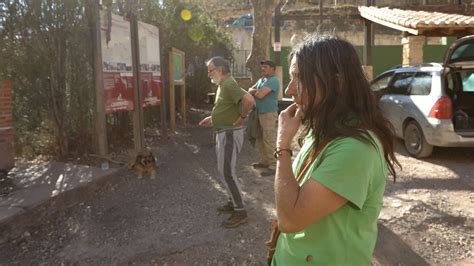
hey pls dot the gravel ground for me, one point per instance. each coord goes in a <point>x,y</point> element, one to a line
<point>431,206</point>
<point>427,216</point>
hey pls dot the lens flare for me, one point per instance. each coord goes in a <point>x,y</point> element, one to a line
<point>195,33</point>
<point>186,14</point>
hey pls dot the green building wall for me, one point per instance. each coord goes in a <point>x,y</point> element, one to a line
<point>384,57</point>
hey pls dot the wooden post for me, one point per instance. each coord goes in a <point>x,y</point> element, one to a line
<point>183,103</point>
<point>163,86</point>
<point>277,52</point>
<point>138,125</point>
<point>99,115</point>
<point>172,102</point>
<point>320,13</point>
<point>368,42</point>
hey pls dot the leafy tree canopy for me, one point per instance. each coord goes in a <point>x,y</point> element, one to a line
<point>47,51</point>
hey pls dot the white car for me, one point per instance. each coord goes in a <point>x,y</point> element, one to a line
<point>431,104</point>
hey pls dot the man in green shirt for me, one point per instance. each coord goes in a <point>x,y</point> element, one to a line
<point>231,106</point>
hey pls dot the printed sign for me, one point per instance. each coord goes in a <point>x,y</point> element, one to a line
<point>150,64</point>
<point>118,80</point>
<point>178,66</point>
<point>117,63</point>
<point>277,46</point>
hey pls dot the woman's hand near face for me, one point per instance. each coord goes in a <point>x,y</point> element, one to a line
<point>288,124</point>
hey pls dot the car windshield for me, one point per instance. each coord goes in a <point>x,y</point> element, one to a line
<point>463,53</point>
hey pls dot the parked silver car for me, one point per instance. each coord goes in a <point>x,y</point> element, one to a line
<point>431,104</point>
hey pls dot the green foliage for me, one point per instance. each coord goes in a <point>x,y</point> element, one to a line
<point>200,38</point>
<point>47,51</point>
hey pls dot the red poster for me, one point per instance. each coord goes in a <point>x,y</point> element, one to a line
<point>151,89</point>
<point>119,93</point>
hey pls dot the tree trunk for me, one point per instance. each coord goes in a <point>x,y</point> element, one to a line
<point>58,82</point>
<point>261,35</point>
<point>58,86</point>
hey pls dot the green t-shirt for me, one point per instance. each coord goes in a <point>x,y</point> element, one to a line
<point>269,103</point>
<point>227,104</point>
<point>357,171</point>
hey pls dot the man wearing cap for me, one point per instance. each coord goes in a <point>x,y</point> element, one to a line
<point>265,92</point>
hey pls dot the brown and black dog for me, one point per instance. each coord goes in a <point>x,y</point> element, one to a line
<point>145,163</point>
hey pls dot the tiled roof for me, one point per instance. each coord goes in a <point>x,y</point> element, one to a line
<point>418,22</point>
<point>327,10</point>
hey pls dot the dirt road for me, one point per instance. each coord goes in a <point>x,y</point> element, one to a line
<point>427,216</point>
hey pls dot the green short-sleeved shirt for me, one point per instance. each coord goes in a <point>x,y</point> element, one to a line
<point>269,103</point>
<point>227,104</point>
<point>357,171</point>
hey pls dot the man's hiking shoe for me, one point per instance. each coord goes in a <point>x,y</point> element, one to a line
<point>259,165</point>
<point>228,208</point>
<point>237,218</point>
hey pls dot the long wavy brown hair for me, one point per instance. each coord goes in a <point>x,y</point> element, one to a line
<point>330,66</point>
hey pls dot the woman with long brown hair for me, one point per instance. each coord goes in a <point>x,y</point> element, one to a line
<point>329,200</point>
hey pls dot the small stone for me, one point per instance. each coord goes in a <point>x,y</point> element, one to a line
<point>396,204</point>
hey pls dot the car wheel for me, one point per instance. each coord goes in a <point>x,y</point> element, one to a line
<point>415,141</point>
